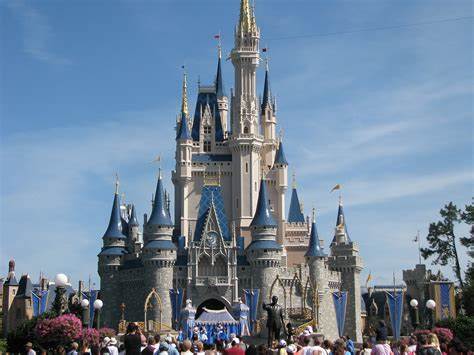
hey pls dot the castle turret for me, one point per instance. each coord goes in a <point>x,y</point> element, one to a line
<point>246,141</point>
<point>159,256</point>
<point>110,259</point>
<point>10,288</point>
<point>182,174</point>
<point>264,253</point>
<point>134,244</point>
<point>295,213</point>
<point>222,100</point>
<point>345,259</point>
<point>268,121</point>
<point>280,166</point>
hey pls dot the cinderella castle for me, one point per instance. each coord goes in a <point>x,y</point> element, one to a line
<point>230,242</point>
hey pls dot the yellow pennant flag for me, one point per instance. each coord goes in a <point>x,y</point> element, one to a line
<point>369,277</point>
<point>337,187</point>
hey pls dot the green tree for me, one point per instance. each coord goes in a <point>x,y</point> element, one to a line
<point>442,238</point>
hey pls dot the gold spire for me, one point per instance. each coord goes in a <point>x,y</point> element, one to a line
<point>246,18</point>
<point>184,102</point>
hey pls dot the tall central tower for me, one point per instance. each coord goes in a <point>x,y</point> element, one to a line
<point>245,141</point>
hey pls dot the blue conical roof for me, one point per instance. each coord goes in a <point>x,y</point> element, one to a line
<point>263,216</point>
<point>133,218</point>
<point>341,219</point>
<point>314,248</point>
<point>114,230</point>
<point>294,214</point>
<point>266,92</point>
<point>280,157</point>
<point>220,92</point>
<point>159,215</point>
<point>183,129</point>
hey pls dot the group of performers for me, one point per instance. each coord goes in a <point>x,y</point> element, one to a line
<point>210,333</point>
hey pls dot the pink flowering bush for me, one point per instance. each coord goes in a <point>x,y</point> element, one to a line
<point>61,330</point>
<point>91,336</point>
<point>445,335</point>
<point>106,332</point>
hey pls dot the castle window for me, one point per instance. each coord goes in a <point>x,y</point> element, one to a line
<point>237,202</point>
<point>246,167</point>
<point>246,130</point>
<point>207,146</point>
<point>207,129</point>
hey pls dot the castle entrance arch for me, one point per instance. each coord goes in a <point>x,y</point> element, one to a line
<point>153,309</point>
<point>213,304</point>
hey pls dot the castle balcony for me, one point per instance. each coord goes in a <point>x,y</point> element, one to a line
<point>212,281</point>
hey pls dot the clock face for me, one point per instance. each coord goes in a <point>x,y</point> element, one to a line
<point>211,239</point>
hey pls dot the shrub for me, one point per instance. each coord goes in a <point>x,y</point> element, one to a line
<point>91,336</point>
<point>61,330</point>
<point>106,332</point>
<point>445,335</point>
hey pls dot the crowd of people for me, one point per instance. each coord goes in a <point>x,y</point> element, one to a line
<point>134,342</point>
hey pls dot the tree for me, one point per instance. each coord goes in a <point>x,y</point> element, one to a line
<point>468,292</point>
<point>442,238</point>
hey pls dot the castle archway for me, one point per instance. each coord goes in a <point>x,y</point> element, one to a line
<point>213,304</point>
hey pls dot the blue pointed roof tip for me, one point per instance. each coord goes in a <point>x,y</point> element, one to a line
<point>266,92</point>
<point>263,216</point>
<point>280,157</point>
<point>159,215</point>
<point>220,92</point>
<point>314,247</point>
<point>295,215</point>
<point>341,219</point>
<point>133,218</point>
<point>183,128</point>
<point>114,229</point>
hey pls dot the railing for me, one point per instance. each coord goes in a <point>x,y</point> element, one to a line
<point>212,281</point>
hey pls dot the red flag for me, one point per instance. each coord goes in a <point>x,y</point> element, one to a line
<point>217,36</point>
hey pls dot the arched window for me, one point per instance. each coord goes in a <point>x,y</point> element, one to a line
<point>246,129</point>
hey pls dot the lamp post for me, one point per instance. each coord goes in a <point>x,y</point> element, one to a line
<point>98,304</point>
<point>85,312</point>
<point>60,305</point>
<point>416,320</point>
<point>430,305</point>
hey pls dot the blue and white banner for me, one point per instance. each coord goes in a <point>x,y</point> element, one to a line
<point>176,297</point>
<point>92,297</point>
<point>251,300</point>
<point>395,308</point>
<point>39,299</point>
<point>340,305</point>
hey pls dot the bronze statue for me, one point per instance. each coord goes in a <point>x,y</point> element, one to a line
<point>274,319</point>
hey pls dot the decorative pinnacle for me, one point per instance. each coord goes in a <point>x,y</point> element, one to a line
<point>184,94</point>
<point>246,18</point>
<point>340,199</point>
<point>314,215</point>
<point>293,181</point>
<point>117,183</point>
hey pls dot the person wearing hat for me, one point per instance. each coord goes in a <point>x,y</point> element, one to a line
<point>382,347</point>
<point>282,347</point>
<point>112,346</point>
<point>29,349</point>
<point>291,349</point>
<point>235,348</point>
<point>74,347</point>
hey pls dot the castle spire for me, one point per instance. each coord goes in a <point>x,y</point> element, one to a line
<point>114,230</point>
<point>219,83</point>
<point>263,216</point>
<point>314,247</point>
<point>133,217</point>
<point>280,157</point>
<point>341,226</point>
<point>183,128</point>
<point>295,215</point>
<point>159,215</point>
<point>266,101</point>
<point>246,17</point>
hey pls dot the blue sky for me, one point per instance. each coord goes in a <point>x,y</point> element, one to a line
<point>88,88</point>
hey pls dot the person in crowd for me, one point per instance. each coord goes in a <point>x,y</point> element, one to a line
<point>121,349</point>
<point>317,348</point>
<point>282,347</point>
<point>291,349</point>
<point>29,348</point>
<point>403,349</point>
<point>132,340</point>
<point>412,345</point>
<point>443,347</point>
<point>381,347</point>
<point>349,345</point>
<point>234,349</point>
<point>307,349</point>
<point>161,348</point>
<point>74,348</point>
<point>433,340</point>
<point>200,348</point>
<point>251,350</point>
<point>60,350</point>
<point>425,348</point>
<point>212,349</point>
<point>172,346</point>
<point>150,348</point>
<point>112,346</point>
<point>186,346</point>
<point>339,348</point>
<point>456,347</point>
<point>85,350</point>
<point>366,349</point>
<point>327,345</point>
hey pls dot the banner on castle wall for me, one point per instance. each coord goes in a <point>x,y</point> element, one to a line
<point>92,297</point>
<point>176,297</point>
<point>39,302</point>
<point>395,308</point>
<point>340,305</point>
<point>251,300</point>
<point>445,300</point>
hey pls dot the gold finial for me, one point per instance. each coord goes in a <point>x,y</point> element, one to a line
<point>117,183</point>
<point>184,94</point>
<point>293,181</point>
<point>246,18</point>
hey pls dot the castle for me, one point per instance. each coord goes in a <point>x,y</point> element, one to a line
<point>230,231</point>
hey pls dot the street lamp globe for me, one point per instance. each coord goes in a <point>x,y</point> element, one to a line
<point>98,304</point>
<point>60,280</point>
<point>85,303</point>
<point>414,303</point>
<point>430,304</point>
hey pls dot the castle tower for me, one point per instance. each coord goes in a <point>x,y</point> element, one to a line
<point>264,253</point>
<point>246,141</point>
<point>10,288</point>
<point>133,233</point>
<point>280,167</point>
<point>222,101</point>
<point>110,259</point>
<point>345,259</point>
<point>159,256</point>
<point>268,121</point>
<point>21,309</point>
<point>182,175</point>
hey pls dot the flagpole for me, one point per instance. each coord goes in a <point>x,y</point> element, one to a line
<point>419,246</point>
